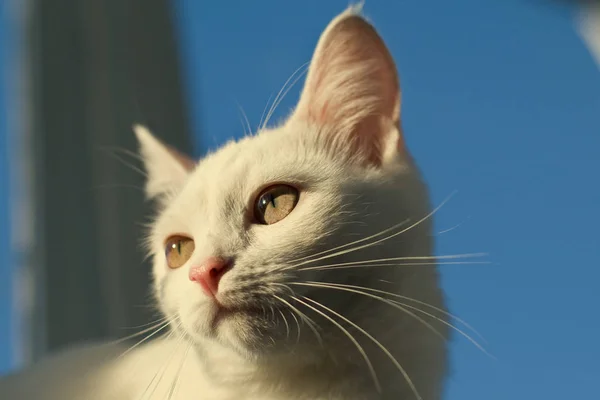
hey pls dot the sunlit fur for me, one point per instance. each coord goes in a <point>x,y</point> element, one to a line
<point>342,148</point>
<point>588,25</point>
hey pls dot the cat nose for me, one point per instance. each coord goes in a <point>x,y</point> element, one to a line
<point>209,273</point>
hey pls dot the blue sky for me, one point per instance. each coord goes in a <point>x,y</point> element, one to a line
<point>502,104</point>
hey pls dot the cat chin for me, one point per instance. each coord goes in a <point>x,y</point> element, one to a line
<point>247,330</point>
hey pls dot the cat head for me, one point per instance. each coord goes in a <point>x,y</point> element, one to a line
<point>244,236</point>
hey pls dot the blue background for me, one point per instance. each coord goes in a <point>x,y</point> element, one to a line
<point>501,101</point>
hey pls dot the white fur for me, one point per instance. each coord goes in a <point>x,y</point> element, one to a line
<point>589,28</point>
<point>342,148</point>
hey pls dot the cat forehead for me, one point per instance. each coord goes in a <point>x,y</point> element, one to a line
<point>272,155</point>
<point>225,182</point>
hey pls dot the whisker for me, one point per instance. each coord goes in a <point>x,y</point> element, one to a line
<point>377,263</point>
<point>359,289</point>
<point>403,264</point>
<point>452,227</point>
<point>127,164</point>
<point>272,313</point>
<point>287,326</point>
<point>155,326</point>
<point>260,123</point>
<point>162,370</point>
<point>377,241</point>
<point>247,128</point>
<point>298,325</point>
<point>127,152</point>
<point>164,325</point>
<point>156,322</point>
<point>396,305</point>
<point>352,339</point>
<point>175,384</point>
<point>278,99</point>
<point>465,335</point>
<point>423,303</point>
<point>377,342</point>
<point>303,317</point>
<point>286,287</point>
<point>383,232</point>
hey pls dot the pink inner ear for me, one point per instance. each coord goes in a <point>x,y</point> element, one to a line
<point>187,163</point>
<point>352,87</point>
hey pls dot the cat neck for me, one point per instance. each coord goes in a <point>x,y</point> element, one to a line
<point>297,374</point>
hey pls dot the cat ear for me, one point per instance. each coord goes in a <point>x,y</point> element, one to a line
<point>167,168</point>
<point>352,91</point>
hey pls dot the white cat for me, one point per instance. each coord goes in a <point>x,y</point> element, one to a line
<point>293,264</point>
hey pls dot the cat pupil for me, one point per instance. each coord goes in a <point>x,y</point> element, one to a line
<point>266,200</point>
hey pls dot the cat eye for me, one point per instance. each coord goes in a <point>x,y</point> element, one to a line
<point>178,250</point>
<point>275,203</point>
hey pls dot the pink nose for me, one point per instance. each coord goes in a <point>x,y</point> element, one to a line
<point>209,273</point>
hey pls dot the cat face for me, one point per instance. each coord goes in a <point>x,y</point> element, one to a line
<point>245,235</point>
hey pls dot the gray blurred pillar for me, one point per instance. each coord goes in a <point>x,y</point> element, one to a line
<point>98,66</point>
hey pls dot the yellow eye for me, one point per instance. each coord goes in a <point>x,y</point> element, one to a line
<point>275,203</point>
<point>178,250</point>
